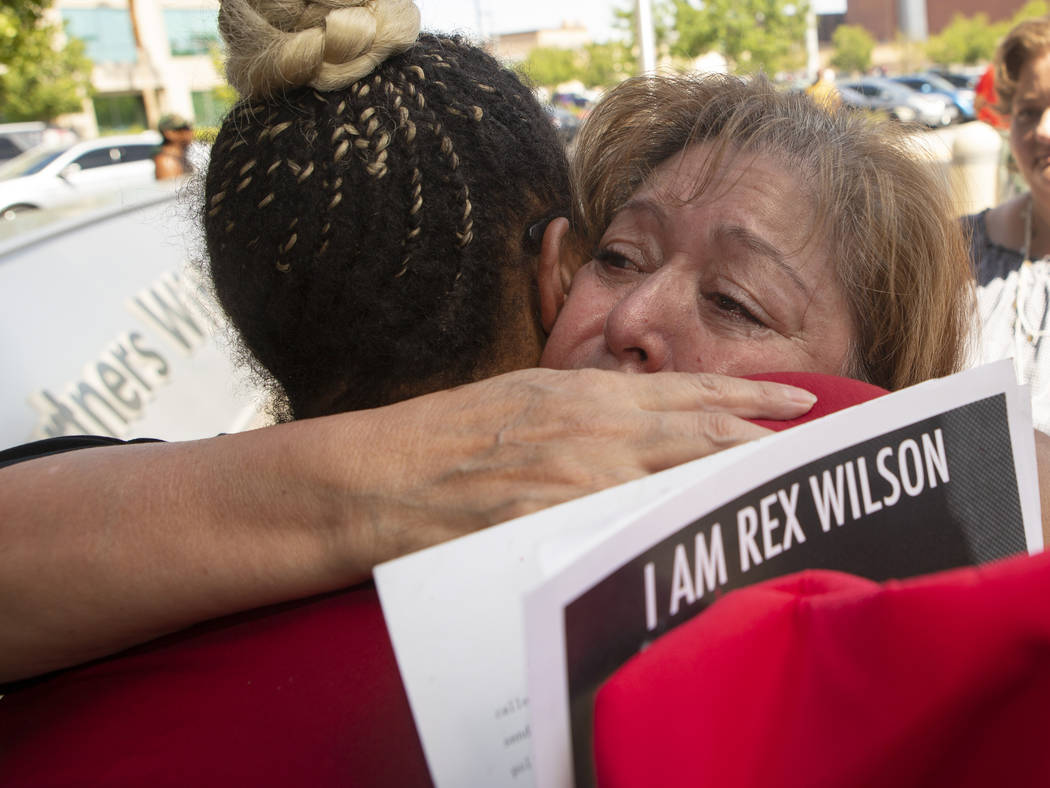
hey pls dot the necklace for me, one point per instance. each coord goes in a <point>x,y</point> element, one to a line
<point>1023,329</point>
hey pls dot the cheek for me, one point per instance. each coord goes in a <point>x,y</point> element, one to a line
<point>578,334</point>
<point>833,347</point>
<point>1019,142</point>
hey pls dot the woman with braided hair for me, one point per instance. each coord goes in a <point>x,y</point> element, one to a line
<point>370,236</point>
<point>364,219</point>
<point>372,212</point>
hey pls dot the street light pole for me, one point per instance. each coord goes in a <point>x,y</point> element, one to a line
<point>812,45</point>
<point>646,39</point>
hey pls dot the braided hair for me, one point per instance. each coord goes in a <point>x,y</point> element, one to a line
<point>366,202</point>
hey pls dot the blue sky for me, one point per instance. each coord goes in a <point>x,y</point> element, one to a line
<point>509,16</point>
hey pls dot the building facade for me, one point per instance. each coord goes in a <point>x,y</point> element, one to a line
<point>514,47</point>
<point>150,57</point>
<point>916,18</point>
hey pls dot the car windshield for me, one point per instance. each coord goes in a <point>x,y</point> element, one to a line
<point>960,80</point>
<point>30,162</point>
<point>895,90</point>
<point>938,83</point>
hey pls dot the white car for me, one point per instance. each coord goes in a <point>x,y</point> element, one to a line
<point>51,177</point>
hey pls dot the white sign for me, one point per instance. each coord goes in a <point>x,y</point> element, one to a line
<point>456,612</point>
<point>105,331</point>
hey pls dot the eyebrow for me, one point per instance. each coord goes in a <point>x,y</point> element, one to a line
<point>648,206</point>
<point>735,233</point>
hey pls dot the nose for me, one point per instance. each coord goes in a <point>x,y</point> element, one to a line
<point>640,328</point>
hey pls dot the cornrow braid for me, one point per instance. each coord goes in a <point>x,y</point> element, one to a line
<point>465,227</point>
<point>360,238</point>
<point>414,201</point>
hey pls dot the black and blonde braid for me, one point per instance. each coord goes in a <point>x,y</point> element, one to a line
<point>359,236</point>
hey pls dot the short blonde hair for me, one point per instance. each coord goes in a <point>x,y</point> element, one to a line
<point>1027,40</point>
<point>888,223</point>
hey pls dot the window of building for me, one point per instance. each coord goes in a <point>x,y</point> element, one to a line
<point>120,112</point>
<point>192,31</point>
<point>106,33</point>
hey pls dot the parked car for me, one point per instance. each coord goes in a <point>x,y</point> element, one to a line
<point>961,79</point>
<point>854,99</point>
<point>934,84</point>
<point>565,122</point>
<point>47,177</point>
<point>889,96</point>
<point>17,138</point>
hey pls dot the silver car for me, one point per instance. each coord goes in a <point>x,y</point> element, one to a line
<point>51,177</point>
<point>888,96</point>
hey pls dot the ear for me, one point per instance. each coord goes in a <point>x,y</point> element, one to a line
<point>555,270</point>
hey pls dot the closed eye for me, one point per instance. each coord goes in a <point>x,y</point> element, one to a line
<point>733,309</point>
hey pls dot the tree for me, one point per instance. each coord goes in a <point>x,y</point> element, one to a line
<point>604,65</point>
<point>966,40</point>
<point>549,66</point>
<point>972,40</point>
<point>853,46</point>
<point>1030,10</point>
<point>44,73</point>
<point>754,35</point>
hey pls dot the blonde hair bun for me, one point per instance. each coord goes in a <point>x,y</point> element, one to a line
<point>273,45</point>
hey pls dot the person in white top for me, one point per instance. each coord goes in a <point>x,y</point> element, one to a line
<point>1010,243</point>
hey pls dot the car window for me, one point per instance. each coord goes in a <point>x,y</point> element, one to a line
<point>8,148</point>
<point>137,152</point>
<point>101,157</point>
<point>939,83</point>
<point>28,163</point>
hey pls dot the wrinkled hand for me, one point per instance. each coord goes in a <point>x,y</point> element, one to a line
<point>455,461</point>
<point>108,547</point>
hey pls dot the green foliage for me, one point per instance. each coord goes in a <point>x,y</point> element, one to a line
<point>753,35</point>
<point>549,66</point>
<point>853,46</point>
<point>205,134</point>
<point>966,40</point>
<point>604,65</point>
<point>1029,10</point>
<point>25,12</point>
<point>225,93</point>
<point>972,40</point>
<point>39,79</point>
<point>596,65</point>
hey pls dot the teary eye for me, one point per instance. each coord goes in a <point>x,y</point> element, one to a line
<point>734,308</point>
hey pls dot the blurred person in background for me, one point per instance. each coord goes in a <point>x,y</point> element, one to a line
<point>1010,243</point>
<point>172,159</point>
<point>986,100</point>
<point>823,90</point>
